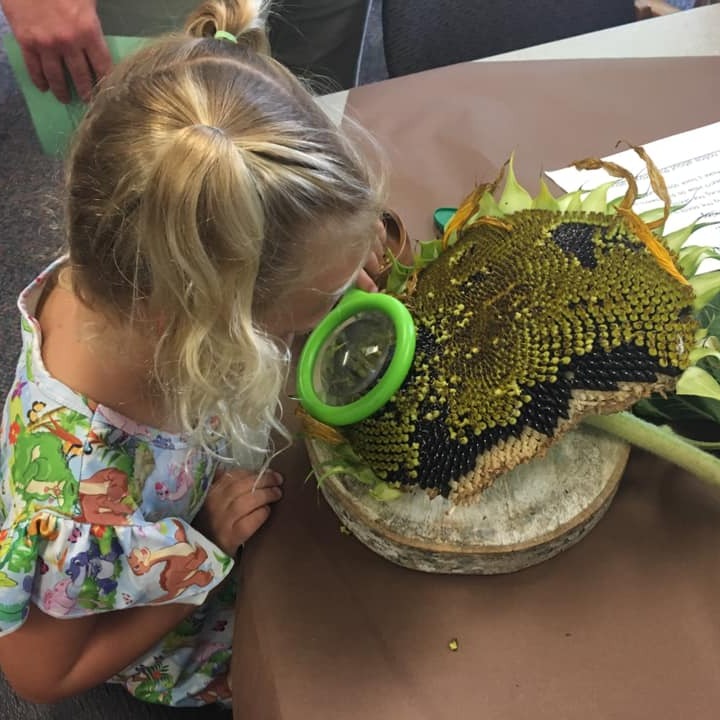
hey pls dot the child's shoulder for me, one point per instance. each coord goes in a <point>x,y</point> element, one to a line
<point>60,449</point>
<point>39,400</point>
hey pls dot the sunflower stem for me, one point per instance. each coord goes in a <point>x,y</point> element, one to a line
<point>660,441</point>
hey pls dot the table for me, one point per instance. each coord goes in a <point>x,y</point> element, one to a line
<point>625,624</point>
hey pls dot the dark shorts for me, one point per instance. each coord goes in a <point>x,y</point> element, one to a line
<point>319,38</point>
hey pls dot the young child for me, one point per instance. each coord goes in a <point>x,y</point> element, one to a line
<point>212,210</point>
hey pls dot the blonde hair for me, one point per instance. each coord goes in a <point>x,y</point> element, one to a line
<point>196,185</point>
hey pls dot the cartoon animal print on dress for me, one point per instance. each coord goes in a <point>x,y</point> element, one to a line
<point>153,683</point>
<point>39,471</point>
<point>103,498</point>
<point>57,422</point>
<point>216,691</point>
<point>182,562</point>
<point>100,567</point>
<point>183,484</point>
<point>60,599</point>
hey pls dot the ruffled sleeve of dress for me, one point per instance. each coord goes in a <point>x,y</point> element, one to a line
<point>72,569</point>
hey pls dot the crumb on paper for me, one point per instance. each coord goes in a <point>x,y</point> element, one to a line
<point>453,645</point>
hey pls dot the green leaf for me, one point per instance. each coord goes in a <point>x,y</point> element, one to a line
<point>653,409</point>
<point>678,409</point>
<point>652,215</point>
<point>706,288</point>
<point>710,363</point>
<point>698,382</point>
<point>345,462</point>
<point>705,445</point>
<point>657,213</point>
<point>676,239</point>
<point>709,316</point>
<point>698,353</point>
<point>398,275</point>
<point>690,257</point>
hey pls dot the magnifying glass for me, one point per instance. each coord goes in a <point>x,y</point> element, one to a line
<point>356,358</point>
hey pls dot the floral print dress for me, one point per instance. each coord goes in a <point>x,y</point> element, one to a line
<point>95,514</point>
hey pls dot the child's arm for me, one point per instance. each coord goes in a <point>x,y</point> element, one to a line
<point>48,659</point>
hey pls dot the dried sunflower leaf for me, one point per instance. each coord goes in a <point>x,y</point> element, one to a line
<point>657,183</point>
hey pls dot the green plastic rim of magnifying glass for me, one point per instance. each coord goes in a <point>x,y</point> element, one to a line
<point>354,302</point>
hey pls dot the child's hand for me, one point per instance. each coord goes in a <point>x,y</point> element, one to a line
<point>236,506</point>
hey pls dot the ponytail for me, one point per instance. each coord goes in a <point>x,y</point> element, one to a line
<point>210,248</point>
<point>245,20</point>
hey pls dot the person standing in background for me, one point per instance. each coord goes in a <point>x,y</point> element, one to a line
<point>315,37</point>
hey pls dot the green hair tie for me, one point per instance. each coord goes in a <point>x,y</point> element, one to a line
<point>225,35</point>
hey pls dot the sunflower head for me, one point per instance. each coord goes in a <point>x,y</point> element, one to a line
<point>530,313</point>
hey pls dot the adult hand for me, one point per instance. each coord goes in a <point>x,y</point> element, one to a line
<point>236,506</point>
<point>58,34</point>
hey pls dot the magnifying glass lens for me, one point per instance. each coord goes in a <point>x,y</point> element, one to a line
<point>354,357</point>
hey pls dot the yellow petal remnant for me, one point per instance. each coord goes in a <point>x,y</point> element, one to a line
<point>453,645</point>
<point>462,214</point>
<point>644,233</point>
<point>315,429</point>
<point>468,207</point>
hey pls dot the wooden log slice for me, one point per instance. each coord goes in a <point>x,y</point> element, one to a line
<point>527,516</point>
